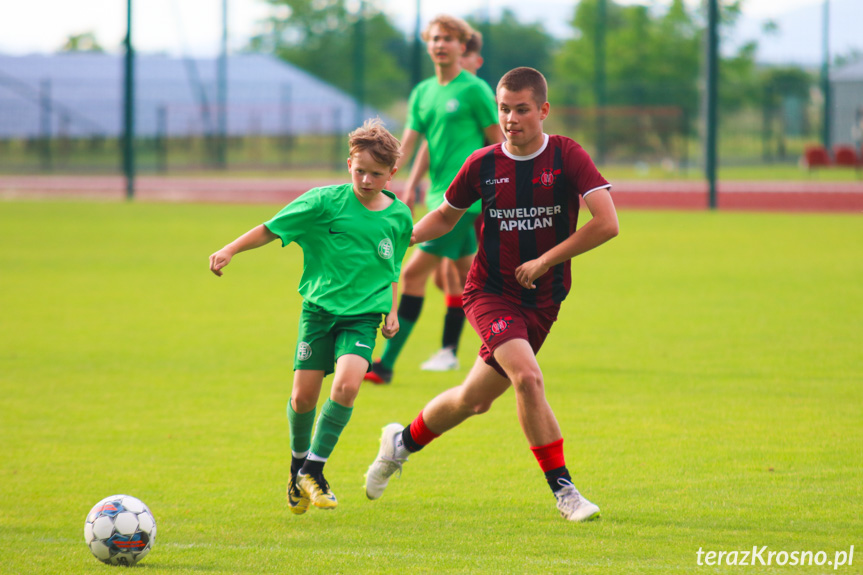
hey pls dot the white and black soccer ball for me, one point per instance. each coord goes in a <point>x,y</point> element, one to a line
<point>120,530</point>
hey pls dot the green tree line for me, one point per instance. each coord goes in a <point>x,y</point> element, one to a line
<point>653,57</point>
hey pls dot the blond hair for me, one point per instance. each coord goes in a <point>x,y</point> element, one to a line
<point>374,138</point>
<point>452,25</point>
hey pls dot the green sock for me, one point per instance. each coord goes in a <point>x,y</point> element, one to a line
<point>301,425</point>
<point>331,423</point>
<point>394,346</point>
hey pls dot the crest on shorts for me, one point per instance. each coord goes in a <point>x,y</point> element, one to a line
<point>546,178</point>
<point>304,351</point>
<point>498,326</point>
<point>385,249</point>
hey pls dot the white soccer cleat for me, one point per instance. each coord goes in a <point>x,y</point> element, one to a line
<point>572,504</point>
<point>444,360</point>
<point>386,463</point>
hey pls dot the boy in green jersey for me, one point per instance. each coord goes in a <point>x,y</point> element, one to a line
<point>456,113</point>
<point>447,276</point>
<point>353,238</point>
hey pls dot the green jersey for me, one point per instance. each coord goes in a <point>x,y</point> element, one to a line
<point>453,119</point>
<point>351,255</point>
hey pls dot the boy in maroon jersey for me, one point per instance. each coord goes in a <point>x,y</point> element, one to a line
<point>530,188</point>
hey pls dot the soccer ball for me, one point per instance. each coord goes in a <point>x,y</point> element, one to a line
<point>120,530</point>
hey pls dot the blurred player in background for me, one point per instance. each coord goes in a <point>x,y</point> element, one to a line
<point>456,113</point>
<point>446,276</point>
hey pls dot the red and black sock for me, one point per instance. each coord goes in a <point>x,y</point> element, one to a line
<point>551,461</point>
<point>417,435</point>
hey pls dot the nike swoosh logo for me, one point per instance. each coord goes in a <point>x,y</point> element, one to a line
<point>332,232</point>
<point>363,345</point>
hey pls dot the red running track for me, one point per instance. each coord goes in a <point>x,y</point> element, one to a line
<point>806,196</point>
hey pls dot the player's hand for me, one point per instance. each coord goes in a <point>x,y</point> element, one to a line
<point>219,260</point>
<point>391,326</point>
<point>413,239</point>
<point>527,272</point>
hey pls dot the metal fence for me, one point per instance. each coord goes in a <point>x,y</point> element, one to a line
<point>64,125</point>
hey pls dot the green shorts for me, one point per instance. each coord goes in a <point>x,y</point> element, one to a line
<point>323,337</point>
<point>460,242</point>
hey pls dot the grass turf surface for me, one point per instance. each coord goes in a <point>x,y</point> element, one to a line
<point>706,371</point>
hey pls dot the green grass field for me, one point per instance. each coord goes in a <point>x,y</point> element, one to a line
<point>706,370</point>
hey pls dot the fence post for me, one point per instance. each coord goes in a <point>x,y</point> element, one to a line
<point>359,63</point>
<point>600,91</point>
<point>684,156</point>
<point>286,140</point>
<point>825,77</point>
<point>45,114</point>
<point>222,94</point>
<point>129,108</point>
<point>161,139</point>
<point>712,99</point>
<point>337,138</point>
<point>767,126</point>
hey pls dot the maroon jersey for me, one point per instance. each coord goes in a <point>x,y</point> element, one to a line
<point>529,205</point>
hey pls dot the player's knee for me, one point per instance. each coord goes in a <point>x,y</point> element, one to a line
<point>413,281</point>
<point>480,407</point>
<point>345,391</point>
<point>471,408</point>
<point>302,402</point>
<point>528,382</point>
<point>473,405</point>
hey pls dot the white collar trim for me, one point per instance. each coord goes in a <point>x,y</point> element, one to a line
<point>530,157</point>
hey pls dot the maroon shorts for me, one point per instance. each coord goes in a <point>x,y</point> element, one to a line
<point>498,320</point>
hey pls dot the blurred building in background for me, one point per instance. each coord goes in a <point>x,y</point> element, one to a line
<point>847,104</point>
<point>57,110</point>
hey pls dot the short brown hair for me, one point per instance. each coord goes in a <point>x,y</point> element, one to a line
<point>524,78</point>
<point>455,26</point>
<point>374,138</point>
<point>474,44</point>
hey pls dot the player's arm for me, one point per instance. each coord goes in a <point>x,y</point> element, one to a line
<point>409,142</point>
<point>436,223</point>
<point>254,238</point>
<point>419,169</point>
<point>391,321</point>
<point>601,228</point>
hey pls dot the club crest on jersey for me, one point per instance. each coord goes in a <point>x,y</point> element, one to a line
<point>385,249</point>
<point>546,178</point>
<point>452,105</point>
<point>498,326</point>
